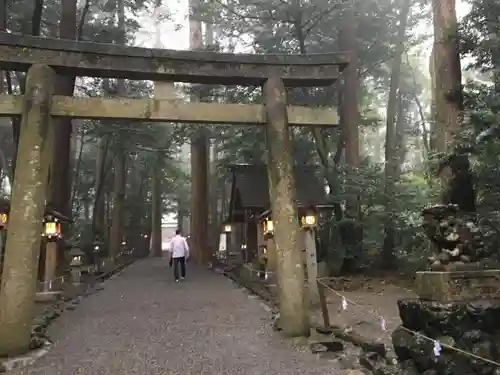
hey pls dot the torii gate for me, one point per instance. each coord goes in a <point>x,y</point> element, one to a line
<point>44,58</point>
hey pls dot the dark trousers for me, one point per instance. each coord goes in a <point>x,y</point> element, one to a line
<point>179,263</point>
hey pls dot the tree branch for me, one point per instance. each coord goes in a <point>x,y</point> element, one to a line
<point>36,19</point>
<point>244,17</point>
<point>81,22</point>
<point>425,133</point>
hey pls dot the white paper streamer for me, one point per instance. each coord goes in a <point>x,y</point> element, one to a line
<point>344,303</point>
<point>437,348</point>
<point>382,323</point>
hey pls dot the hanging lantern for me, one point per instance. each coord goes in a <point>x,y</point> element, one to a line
<point>308,219</point>
<point>51,227</point>
<point>4,218</point>
<point>268,226</point>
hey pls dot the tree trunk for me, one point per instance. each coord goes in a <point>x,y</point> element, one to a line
<point>199,196</point>
<point>213,186</point>
<point>214,199</point>
<point>401,127</point>
<point>60,172</point>
<point>17,293</point>
<point>447,73</point>
<point>107,209</point>
<point>156,205</point>
<point>331,172</point>
<point>162,90</point>
<point>36,21</point>
<point>3,24</point>
<point>437,136</point>
<point>99,212</point>
<point>319,139</point>
<point>115,235</point>
<point>426,139</point>
<point>59,190</point>
<point>86,207</point>
<point>458,188</point>
<point>290,269</point>
<point>199,161</point>
<point>352,232</point>
<point>76,172</point>
<point>391,156</point>
<point>180,215</point>
<point>119,184</point>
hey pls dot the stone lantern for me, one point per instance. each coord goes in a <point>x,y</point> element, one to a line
<point>97,250</point>
<point>76,263</point>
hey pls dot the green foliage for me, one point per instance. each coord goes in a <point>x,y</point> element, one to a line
<point>314,27</point>
<point>481,34</point>
<point>276,26</point>
<point>481,130</point>
<point>140,142</point>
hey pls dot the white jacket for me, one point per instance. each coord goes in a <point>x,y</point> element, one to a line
<point>179,247</point>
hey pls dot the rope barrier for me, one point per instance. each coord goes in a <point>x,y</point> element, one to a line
<point>437,345</point>
<point>51,282</point>
<point>383,322</point>
<point>253,269</point>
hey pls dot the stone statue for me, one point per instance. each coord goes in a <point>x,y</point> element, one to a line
<point>453,227</point>
<point>454,308</point>
<point>455,235</point>
<point>459,182</point>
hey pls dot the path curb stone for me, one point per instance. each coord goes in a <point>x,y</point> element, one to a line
<point>40,343</point>
<point>373,357</point>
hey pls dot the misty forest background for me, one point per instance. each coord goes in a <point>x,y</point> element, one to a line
<point>378,164</point>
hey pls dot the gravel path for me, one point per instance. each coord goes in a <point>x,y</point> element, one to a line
<point>143,323</point>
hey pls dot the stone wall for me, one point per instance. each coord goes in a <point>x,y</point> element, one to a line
<point>473,327</point>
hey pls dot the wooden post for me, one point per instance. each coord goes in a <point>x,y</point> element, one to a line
<point>323,303</point>
<point>290,270</point>
<point>271,254</point>
<point>17,294</point>
<point>156,205</point>
<point>50,265</point>
<point>2,249</point>
<point>312,266</point>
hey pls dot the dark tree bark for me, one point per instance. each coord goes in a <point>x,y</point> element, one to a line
<point>391,155</point>
<point>156,212</point>
<point>99,211</point>
<point>351,231</point>
<point>36,21</point>
<point>115,235</point>
<point>457,183</point>
<point>447,74</point>
<point>199,161</point>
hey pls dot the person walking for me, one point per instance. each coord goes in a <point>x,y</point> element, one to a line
<point>179,255</point>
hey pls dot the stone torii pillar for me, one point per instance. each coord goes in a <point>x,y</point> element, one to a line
<point>294,320</point>
<point>18,288</point>
<point>17,52</point>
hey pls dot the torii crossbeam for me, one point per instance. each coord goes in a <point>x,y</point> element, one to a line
<point>43,58</point>
<point>19,52</point>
